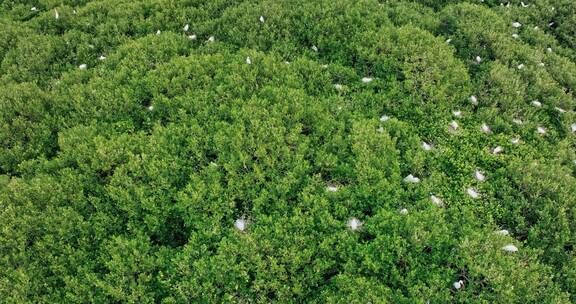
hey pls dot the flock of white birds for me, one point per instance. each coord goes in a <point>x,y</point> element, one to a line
<point>354,224</point>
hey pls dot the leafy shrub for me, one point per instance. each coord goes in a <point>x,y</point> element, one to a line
<point>132,142</point>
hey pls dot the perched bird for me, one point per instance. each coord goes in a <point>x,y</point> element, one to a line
<point>241,224</point>
<point>457,114</point>
<point>560,110</point>
<point>150,108</point>
<point>56,15</point>
<point>516,24</point>
<point>478,59</point>
<point>33,9</point>
<point>315,48</point>
<point>436,201</point>
<point>82,66</point>
<point>192,37</point>
<point>536,103</point>
<point>521,66</point>
<point>354,224</point>
<point>211,39</point>
<point>549,50</point>
<point>426,146</point>
<point>411,179</point>
<point>541,64</point>
<point>503,232</point>
<point>515,140</point>
<point>485,128</point>
<point>479,176</point>
<point>510,248</point>
<point>248,60</point>
<point>331,188</point>
<point>497,150</point>
<point>472,193</point>
<point>338,87</point>
<point>573,127</point>
<point>261,19</point>
<point>515,36</point>
<point>458,285</point>
<point>186,27</point>
<point>367,79</point>
<point>448,40</point>
<point>380,130</point>
<point>474,100</point>
<point>102,57</point>
<point>403,211</point>
<point>524,5</point>
<point>158,32</point>
<point>454,125</point>
<point>384,118</point>
<point>541,130</point>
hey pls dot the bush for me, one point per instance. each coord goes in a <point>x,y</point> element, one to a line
<point>129,150</point>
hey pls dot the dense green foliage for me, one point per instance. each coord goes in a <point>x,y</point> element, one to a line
<point>128,149</point>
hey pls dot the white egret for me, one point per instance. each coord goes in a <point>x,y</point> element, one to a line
<point>479,176</point>
<point>354,224</point>
<point>541,130</point>
<point>331,188</point>
<point>473,193</point>
<point>241,224</point>
<point>454,125</point>
<point>436,201</point>
<point>458,284</point>
<point>411,179</point>
<point>510,248</point>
